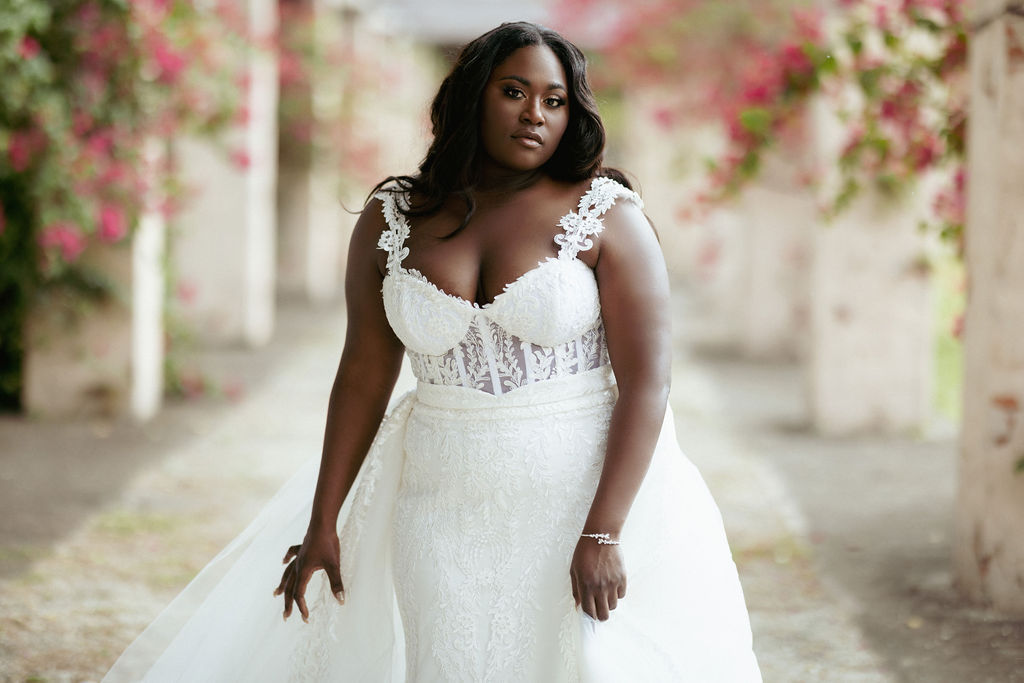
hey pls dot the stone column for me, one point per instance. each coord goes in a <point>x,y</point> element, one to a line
<point>310,217</point>
<point>989,545</point>
<point>148,277</point>
<point>223,251</point>
<point>870,356</point>
<point>779,219</point>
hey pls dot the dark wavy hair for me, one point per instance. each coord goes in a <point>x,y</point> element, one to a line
<point>452,162</point>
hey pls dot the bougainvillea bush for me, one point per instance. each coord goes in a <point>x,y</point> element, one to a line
<point>85,84</point>
<point>893,69</point>
<point>894,72</point>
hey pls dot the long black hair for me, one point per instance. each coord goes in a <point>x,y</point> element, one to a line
<point>452,162</point>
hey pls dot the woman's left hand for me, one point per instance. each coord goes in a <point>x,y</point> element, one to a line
<point>598,577</point>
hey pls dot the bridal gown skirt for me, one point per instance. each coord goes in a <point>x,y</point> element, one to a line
<point>455,550</point>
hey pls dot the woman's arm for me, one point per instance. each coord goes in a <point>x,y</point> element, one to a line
<point>634,290</point>
<point>369,367</point>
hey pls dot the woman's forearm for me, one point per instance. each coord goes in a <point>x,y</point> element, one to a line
<point>357,405</point>
<point>632,435</point>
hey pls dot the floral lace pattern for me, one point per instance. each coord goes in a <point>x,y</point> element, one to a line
<point>581,224</point>
<point>544,325</point>
<point>492,502</point>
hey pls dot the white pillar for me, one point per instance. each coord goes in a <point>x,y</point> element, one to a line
<point>871,348</point>
<point>870,355</point>
<point>779,220</point>
<point>224,249</point>
<point>310,217</point>
<point>989,545</point>
<point>147,368</point>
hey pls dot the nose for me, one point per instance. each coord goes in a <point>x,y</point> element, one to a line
<point>532,111</point>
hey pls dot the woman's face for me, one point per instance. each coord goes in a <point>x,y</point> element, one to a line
<point>524,109</point>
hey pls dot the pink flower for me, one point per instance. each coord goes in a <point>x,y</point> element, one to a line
<point>762,80</point>
<point>81,123</point>
<point>243,115</point>
<point>100,143</point>
<point>882,18</point>
<point>664,117</point>
<point>241,159</point>
<point>115,172</point>
<point>113,226</point>
<point>171,62</point>
<point>794,59</point>
<point>889,109</point>
<point>28,48</point>
<point>23,146</point>
<point>65,236</point>
<point>809,23</point>
<point>192,385</point>
<point>926,153</point>
<point>957,329</point>
<point>186,292</point>
<point>89,15</point>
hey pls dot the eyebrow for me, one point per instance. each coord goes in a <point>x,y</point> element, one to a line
<point>553,85</point>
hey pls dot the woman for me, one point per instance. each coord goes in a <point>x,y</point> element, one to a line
<point>499,505</point>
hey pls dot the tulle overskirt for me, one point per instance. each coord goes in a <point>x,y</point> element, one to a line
<point>456,546</point>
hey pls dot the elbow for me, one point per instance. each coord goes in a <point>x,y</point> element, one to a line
<point>649,389</point>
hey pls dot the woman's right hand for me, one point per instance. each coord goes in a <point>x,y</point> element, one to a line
<point>318,551</point>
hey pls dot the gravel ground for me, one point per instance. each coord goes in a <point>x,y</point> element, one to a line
<point>842,545</point>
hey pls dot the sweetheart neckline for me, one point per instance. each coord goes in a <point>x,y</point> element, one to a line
<point>420,277</point>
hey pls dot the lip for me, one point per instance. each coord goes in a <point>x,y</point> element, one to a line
<point>528,138</point>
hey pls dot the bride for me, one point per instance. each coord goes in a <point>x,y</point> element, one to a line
<point>525,514</point>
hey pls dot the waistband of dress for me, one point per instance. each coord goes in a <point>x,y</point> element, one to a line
<point>597,384</point>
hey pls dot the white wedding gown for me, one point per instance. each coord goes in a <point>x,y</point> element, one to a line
<point>457,539</point>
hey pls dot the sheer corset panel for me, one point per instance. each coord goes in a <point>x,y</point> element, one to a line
<point>545,324</point>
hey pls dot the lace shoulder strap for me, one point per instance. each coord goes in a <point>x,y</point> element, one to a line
<point>580,225</point>
<point>392,239</point>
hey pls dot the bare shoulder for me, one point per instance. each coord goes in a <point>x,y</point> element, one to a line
<point>625,225</point>
<point>367,232</point>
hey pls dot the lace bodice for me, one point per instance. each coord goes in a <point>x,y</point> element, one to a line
<point>545,324</point>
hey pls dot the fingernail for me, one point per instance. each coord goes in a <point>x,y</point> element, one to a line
<point>340,597</point>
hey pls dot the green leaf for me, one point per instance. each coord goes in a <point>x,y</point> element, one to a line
<point>1019,466</point>
<point>757,120</point>
<point>927,24</point>
<point>868,80</point>
<point>750,164</point>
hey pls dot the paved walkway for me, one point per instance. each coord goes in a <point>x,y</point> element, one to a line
<point>842,546</point>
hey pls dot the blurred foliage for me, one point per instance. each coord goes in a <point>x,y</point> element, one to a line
<point>894,71</point>
<point>86,83</point>
<point>323,78</point>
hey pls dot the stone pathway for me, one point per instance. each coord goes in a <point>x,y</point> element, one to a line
<point>842,545</point>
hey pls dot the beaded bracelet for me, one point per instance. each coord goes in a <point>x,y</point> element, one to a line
<point>602,539</point>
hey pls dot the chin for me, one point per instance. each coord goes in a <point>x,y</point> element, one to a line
<point>524,162</point>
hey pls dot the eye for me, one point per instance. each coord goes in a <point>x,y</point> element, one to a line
<point>555,102</point>
<point>514,93</point>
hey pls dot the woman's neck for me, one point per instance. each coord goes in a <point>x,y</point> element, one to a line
<point>496,182</point>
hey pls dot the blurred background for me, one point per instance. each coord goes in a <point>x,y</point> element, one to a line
<point>179,180</point>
